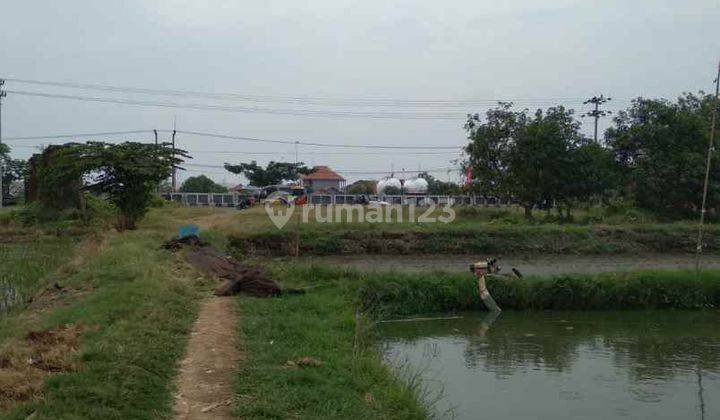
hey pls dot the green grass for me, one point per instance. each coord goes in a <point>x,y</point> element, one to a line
<point>468,238</point>
<point>136,315</point>
<point>389,294</point>
<point>474,231</point>
<point>319,324</point>
<point>27,262</point>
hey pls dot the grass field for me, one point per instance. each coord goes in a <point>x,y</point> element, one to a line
<point>132,305</point>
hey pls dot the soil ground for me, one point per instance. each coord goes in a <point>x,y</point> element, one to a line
<point>528,265</point>
<point>207,372</point>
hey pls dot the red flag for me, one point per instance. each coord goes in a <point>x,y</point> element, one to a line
<point>468,175</point>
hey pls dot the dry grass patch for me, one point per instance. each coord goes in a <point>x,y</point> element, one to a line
<point>26,363</point>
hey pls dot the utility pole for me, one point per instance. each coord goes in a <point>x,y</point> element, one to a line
<point>2,95</point>
<point>157,190</point>
<point>597,113</point>
<point>711,149</point>
<point>174,170</point>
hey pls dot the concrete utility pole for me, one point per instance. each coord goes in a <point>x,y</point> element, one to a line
<point>711,149</point>
<point>174,170</point>
<point>2,95</point>
<point>597,113</point>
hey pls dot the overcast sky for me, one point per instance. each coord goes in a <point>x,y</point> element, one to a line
<point>540,52</point>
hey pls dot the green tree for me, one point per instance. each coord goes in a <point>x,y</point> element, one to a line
<point>13,169</point>
<point>165,186</point>
<point>661,147</point>
<point>438,187</point>
<point>274,173</point>
<point>364,186</point>
<point>523,156</point>
<point>126,173</point>
<point>201,184</point>
<point>390,190</point>
<point>593,174</point>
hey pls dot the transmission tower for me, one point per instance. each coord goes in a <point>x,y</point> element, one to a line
<point>597,113</point>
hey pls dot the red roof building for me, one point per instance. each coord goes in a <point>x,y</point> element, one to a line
<point>322,179</point>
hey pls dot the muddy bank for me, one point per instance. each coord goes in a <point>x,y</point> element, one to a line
<point>542,239</point>
<point>527,264</point>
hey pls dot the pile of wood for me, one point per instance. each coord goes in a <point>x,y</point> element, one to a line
<point>237,277</point>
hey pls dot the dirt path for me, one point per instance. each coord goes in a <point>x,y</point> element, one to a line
<point>530,264</point>
<point>205,385</point>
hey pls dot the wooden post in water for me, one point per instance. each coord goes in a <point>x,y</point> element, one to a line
<point>481,269</point>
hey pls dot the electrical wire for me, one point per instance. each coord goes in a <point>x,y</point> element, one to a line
<point>236,152</point>
<point>67,136</point>
<point>315,144</point>
<point>342,171</point>
<point>241,138</point>
<point>300,100</point>
<point>250,110</point>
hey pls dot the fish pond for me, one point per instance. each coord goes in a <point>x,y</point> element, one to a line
<point>563,365</point>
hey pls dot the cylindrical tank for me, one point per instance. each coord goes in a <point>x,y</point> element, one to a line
<point>383,184</point>
<point>416,186</point>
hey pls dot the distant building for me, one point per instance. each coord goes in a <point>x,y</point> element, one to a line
<point>236,189</point>
<point>322,179</point>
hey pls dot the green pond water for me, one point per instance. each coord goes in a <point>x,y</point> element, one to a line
<point>564,365</point>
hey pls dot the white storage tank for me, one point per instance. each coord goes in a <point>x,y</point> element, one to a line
<point>416,186</point>
<point>383,184</point>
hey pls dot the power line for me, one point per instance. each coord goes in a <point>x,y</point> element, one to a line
<point>236,152</point>
<point>302,100</point>
<point>242,138</point>
<point>342,171</point>
<point>67,136</point>
<point>251,110</point>
<point>316,144</point>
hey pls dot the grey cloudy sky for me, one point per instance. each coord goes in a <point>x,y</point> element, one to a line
<point>452,50</point>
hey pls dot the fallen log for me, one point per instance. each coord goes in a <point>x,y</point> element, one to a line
<point>237,277</point>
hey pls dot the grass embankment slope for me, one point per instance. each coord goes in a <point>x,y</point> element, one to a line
<point>400,295</point>
<point>352,382</point>
<point>133,307</point>
<point>474,231</point>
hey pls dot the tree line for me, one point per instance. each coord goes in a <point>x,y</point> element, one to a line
<point>653,156</point>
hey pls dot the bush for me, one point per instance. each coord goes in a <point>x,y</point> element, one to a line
<point>99,209</point>
<point>158,202</point>
<point>35,213</point>
<point>9,217</point>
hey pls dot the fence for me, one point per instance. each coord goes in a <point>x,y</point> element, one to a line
<point>232,200</point>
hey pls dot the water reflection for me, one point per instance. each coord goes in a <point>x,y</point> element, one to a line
<point>570,365</point>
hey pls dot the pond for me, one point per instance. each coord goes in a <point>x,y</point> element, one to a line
<point>563,365</point>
